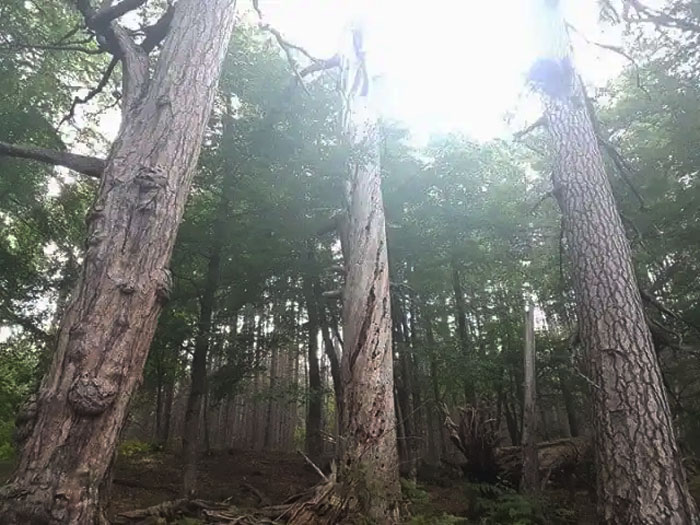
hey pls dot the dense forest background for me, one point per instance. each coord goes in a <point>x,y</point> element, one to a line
<point>474,238</point>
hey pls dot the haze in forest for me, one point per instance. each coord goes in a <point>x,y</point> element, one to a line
<point>305,262</point>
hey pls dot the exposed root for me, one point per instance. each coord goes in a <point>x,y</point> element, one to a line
<point>206,511</point>
<point>325,504</point>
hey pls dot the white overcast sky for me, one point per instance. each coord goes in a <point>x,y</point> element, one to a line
<point>449,65</point>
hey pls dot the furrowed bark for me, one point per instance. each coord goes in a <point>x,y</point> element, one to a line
<point>107,329</point>
<point>639,470</point>
<point>369,460</point>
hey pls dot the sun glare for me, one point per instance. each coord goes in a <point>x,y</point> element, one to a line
<point>448,65</point>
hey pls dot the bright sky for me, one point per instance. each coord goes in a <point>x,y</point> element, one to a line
<point>449,65</point>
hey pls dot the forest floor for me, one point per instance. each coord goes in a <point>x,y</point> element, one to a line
<point>253,479</point>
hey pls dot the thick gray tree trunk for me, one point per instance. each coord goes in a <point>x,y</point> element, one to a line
<point>369,459</point>
<point>72,431</point>
<point>640,475</point>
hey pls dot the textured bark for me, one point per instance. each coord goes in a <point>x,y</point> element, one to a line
<point>640,475</point>
<point>369,462</point>
<point>530,481</point>
<point>108,327</point>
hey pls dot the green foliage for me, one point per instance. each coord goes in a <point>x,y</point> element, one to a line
<point>413,492</point>
<point>441,519</point>
<point>501,505</point>
<point>132,448</point>
<point>7,451</point>
<point>18,375</point>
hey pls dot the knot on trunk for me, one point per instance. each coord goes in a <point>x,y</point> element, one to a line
<point>24,422</point>
<point>150,180</point>
<point>90,396</point>
<point>164,285</point>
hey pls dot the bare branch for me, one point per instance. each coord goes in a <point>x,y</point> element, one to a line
<point>157,32</point>
<point>55,47</point>
<point>623,168</point>
<point>539,123</point>
<point>619,51</point>
<point>90,166</point>
<point>651,300</point>
<point>93,92</point>
<point>333,294</point>
<point>658,18</point>
<point>112,12</point>
<point>321,65</point>
<point>288,47</point>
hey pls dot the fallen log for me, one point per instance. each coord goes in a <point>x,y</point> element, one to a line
<point>558,460</point>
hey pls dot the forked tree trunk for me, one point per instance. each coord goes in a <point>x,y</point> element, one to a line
<point>369,460</point>
<point>107,329</point>
<point>640,475</point>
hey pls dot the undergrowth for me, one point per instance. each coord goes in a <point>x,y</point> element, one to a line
<point>489,504</point>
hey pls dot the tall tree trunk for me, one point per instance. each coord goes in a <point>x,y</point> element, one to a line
<point>530,481</point>
<point>569,405</point>
<point>461,316</point>
<point>108,327</point>
<point>314,423</point>
<point>329,348</point>
<point>404,387</point>
<point>640,474</point>
<point>207,304</point>
<point>270,419</point>
<point>164,429</point>
<point>369,464</point>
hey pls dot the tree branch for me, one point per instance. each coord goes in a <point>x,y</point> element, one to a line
<point>540,122</point>
<point>112,12</point>
<point>55,47</point>
<point>93,92</point>
<point>156,33</point>
<point>118,42</point>
<point>657,18</point>
<point>90,166</point>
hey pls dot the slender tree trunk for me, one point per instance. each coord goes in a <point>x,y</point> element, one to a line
<point>207,304</point>
<point>369,464</point>
<point>107,329</point>
<point>270,420</point>
<point>435,384</point>
<point>530,481</point>
<point>164,429</point>
<point>640,475</point>
<point>569,402</point>
<point>329,349</point>
<point>159,401</point>
<point>461,316</point>
<point>404,388</point>
<point>314,423</point>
